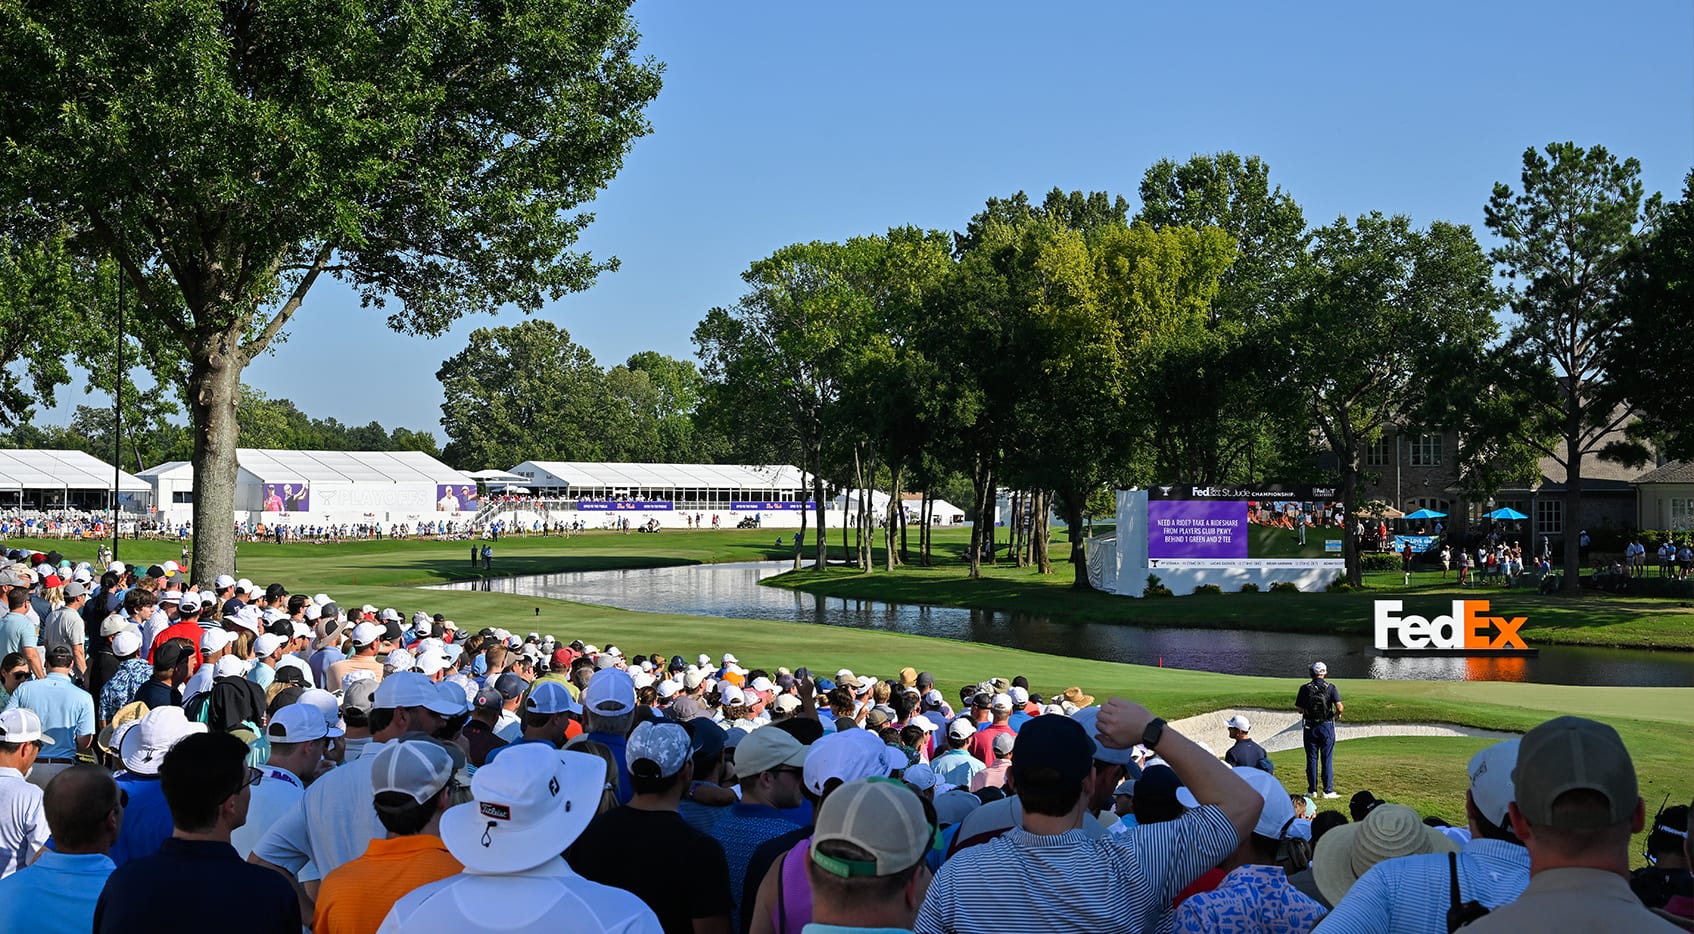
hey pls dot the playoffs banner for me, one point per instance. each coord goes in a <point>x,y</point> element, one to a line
<point>287,497</point>
<point>1272,525</point>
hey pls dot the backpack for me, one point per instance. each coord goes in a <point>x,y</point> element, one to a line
<point>1317,702</point>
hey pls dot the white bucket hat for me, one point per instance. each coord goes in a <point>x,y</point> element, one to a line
<point>144,745</point>
<point>529,804</point>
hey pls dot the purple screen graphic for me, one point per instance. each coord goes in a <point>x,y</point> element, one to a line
<point>1189,528</point>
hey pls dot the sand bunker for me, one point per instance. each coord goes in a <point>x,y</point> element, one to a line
<point>1278,730</point>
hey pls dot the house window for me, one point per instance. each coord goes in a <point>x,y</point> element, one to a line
<point>1426,451</point>
<point>182,496</point>
<point>1549,516</point>
<point>1682,514</point>
<point>1377,454</point>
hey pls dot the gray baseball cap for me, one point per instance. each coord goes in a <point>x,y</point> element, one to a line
<point>1574,754</point>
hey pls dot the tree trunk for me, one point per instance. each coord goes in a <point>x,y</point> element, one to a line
<point>1572,582</point>
<point>1349,465</point>
<point>890,558</point>
<point>1042,533</point>
<point>799,546</point>
<point>823,538</point>
<point>214,389</point>
<point>923,527</point>
<point>859,516</point>
<point>1079,552</point>
<point>981,488</point>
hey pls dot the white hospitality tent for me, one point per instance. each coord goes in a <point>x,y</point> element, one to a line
<point>326,486</point>
<point>671,494</point>
<point>47,480</point>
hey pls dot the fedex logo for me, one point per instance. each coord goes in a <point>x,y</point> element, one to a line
<point>1468,627</point>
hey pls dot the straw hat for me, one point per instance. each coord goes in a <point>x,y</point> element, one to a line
<point>1387,832</point>
<point>1075,696</point>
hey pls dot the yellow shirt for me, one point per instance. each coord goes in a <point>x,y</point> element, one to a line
<point>356,896</point>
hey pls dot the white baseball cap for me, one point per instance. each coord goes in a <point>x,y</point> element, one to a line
<point>420,768</point>
<point>244,585</point>
<point>22,725</point>
<point>296,723</point>
<point>326,705</point>
<point>1491,786</point>
<point>431,661</point>
<point>1001,702</point>
<point>213,640</point>
<point>786,703</point>
<point>668,689</point>
<point>847,755</point>
<point>530,803</point>
<point>230,665</point>
<point>222,581</point>
<point>1238,722</point>
<point>367,634</point>
<point>611,692</point>
<point>961,728</point>
<point>399,660</point>
<point>127,642</point>
<point>729,695</point>
<point>266,644</point>
<point>410,689</point>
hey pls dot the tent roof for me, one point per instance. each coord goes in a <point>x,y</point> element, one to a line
<point>493,476</point>
<point>625,475</point>
<point>346,466</point>
<point>60,470</point>
<point>159,470</point>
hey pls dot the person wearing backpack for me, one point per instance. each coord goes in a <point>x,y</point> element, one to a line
<point>1319,703</point>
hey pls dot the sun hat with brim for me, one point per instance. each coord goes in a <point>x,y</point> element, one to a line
<point>1075,696</point>
<point>143,746</point>
<point>125,717</point>
<point>528,806</point>
<point>1387,832</point>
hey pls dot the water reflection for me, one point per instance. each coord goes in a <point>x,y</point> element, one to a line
<point>732,590</point>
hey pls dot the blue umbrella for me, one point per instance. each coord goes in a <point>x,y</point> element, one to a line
<point>1425,514</point>
<point>1506,512</point>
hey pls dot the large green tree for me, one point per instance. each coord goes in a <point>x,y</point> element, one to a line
<point>1653,351</point>
<point>1565,239</point>
<point>1383,310</point>
<point>523,392</point>
<point>228,155</point>
<point>1211,410</point>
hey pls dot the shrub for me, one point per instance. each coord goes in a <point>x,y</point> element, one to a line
<point>1284,587</point>
<point>1340,585</point>
<point>1249,587</point>
<point>1156,588</point>
<point>1379,562</point>
<point>1208,588</point>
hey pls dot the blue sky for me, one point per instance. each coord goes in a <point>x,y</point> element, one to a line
<point>791,121</point>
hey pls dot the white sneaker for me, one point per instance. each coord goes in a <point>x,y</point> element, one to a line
<point>1330,794</point>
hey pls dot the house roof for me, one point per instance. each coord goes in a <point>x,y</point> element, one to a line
<point>1673,472</point>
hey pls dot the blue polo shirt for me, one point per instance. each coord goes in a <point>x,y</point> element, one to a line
<point>619,746</point>
<point>234,893</point>
<point>147,819</point>
<point>16,633</point>
<point>55,894</point>
<point>66,711</point>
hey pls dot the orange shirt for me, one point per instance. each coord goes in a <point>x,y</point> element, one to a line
<point>356,896</point>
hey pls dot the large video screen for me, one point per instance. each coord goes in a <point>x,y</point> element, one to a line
<point>1273,525</point>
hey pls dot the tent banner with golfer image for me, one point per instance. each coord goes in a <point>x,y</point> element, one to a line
<point>1266,525</point>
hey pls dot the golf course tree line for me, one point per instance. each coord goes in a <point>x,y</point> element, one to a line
<point>1069,347</point>
<point>224,158</point>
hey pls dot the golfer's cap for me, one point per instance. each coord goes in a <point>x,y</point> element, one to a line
<point>1238,722</point>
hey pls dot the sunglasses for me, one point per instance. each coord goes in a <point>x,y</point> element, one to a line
<point>22,674</point>
<point>253,776</point>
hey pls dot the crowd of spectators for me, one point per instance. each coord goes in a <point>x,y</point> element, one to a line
<point>239,757</point>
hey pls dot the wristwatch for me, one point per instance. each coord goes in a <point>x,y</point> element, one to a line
<point>1155,731</point>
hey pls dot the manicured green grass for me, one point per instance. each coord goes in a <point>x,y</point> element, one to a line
<point>1427,773</point>
<point>1553,619</point>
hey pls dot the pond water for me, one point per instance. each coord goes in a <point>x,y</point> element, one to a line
<point>733,590</point>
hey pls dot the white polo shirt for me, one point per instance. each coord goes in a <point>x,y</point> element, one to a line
<point>23,823</point>
<point>333,823</point>
<point>279,792</point>
<point>529,902</point>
